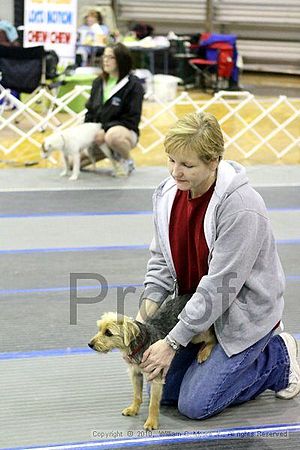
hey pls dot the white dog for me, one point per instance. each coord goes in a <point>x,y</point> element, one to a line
<point>71,142</point>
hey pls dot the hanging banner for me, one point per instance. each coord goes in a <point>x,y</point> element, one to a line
<point>53,24</point>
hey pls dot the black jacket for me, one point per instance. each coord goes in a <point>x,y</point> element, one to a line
<point>122,108</point>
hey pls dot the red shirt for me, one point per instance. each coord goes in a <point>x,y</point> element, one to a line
<point>188,245</point>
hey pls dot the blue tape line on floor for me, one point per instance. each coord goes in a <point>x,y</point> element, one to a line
<point>108,248</point>
<point>65,289</point>
<point>76,214</point>
<point>107,213</point>
<point>176,438</point>
<point>58,352</point>
<point>45,353</point>
<point>288,241</point>
<point>76,249</point>
<point>90,288</point>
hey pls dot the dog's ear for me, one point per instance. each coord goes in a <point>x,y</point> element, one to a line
<point>131,330</point>
<point>108,324</point>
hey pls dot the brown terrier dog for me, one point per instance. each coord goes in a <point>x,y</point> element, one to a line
<point>133,338</point>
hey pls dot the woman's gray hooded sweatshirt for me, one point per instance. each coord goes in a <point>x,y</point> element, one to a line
<point>242,294</point>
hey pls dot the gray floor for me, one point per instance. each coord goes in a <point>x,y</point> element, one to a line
<point>54,391</point>
<point>292,92</point>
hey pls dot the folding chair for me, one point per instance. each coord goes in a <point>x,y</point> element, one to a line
<point>216,68</point>
<point>205,70</point>
<point>23,70</point>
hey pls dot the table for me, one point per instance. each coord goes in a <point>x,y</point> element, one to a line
<point>184,70</point>
<point>92,52</point>
<point>78,104</point>
<point>151,52</point>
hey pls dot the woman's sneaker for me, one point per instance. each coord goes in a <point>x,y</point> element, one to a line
<point>124,167</point>
<point>121,167</point>
<point>293,387</point>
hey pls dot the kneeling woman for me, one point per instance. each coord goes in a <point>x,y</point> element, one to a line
<point>116,102</point>
<point>213,240</point>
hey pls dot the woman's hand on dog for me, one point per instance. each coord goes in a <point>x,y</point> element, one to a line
<point>157,358</point>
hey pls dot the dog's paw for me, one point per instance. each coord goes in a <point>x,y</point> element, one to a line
<point>64,173</point>
<point>130,411</point>
<point>73,178</point>
<point>151,424</point>
<point>204,353</point>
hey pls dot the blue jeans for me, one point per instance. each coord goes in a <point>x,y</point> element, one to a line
<point>202,390</point>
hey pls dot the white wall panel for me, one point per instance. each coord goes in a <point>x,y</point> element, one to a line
<point>7,10</point>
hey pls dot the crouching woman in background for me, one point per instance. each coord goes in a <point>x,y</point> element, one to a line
<point>116,102</point>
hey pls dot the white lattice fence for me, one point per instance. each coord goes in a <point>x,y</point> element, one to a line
<point>284,124</point>
<point>253,127</point>
<point>24,125</point>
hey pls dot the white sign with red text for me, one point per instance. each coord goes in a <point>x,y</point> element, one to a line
<point>53,24</point>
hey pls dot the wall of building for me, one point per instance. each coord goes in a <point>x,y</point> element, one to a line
<point>7,10</point>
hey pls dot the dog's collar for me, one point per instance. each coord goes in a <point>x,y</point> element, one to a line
<point>136,350</point>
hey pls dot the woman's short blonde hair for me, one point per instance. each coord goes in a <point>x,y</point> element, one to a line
<point>199,132</point>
